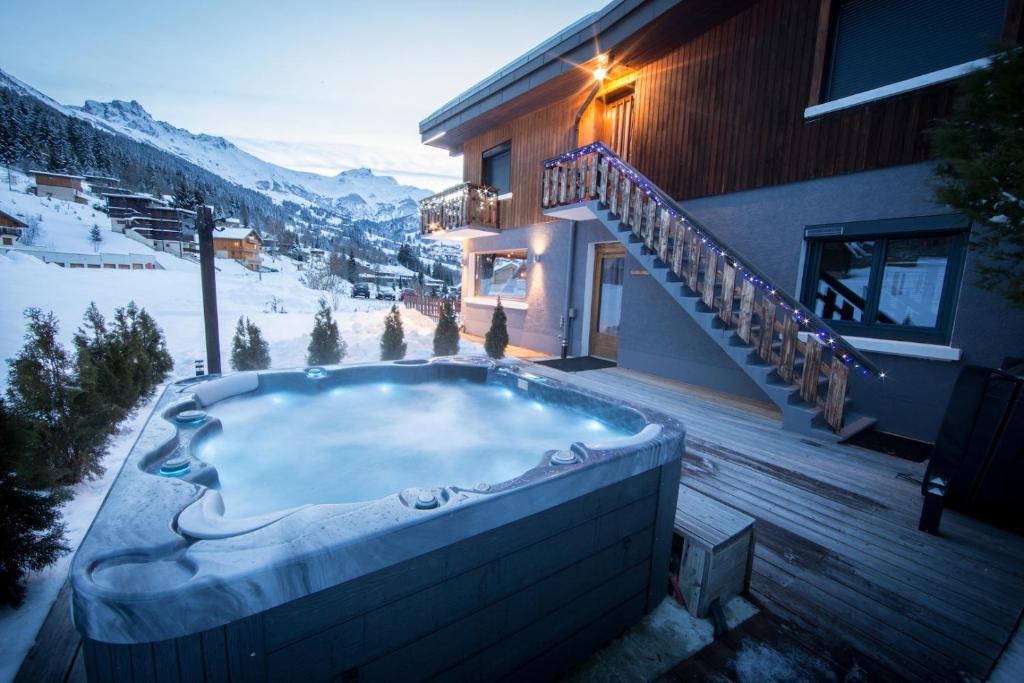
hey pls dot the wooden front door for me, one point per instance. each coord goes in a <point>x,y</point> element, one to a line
<point>606,301</point>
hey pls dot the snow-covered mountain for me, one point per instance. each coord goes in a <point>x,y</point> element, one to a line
<point>357,193</point>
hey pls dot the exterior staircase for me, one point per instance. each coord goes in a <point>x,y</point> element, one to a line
<point>800,363</point>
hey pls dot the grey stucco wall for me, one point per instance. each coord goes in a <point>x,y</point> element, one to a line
<point>655,336</point>
<point>766,226</point>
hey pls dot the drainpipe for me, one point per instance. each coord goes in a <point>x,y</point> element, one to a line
<point>567,317</point>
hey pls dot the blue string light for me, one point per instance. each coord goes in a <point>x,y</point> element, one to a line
<point>651,191</point>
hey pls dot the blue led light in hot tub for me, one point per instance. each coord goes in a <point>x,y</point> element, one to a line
<point>190,417</point>
<point>175,467</point>
<point>316,373</point>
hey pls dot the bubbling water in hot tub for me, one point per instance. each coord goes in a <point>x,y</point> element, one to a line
<point>360,442</point>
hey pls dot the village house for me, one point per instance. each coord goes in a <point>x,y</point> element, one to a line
<point>238,244</point>
<point>736,195</point>
<point>10,229</point>
<point>61,186</point>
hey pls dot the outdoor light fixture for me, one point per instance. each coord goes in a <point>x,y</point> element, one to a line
<point>601,72</point>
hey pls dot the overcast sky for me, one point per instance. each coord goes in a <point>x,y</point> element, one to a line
<point>314,85</point>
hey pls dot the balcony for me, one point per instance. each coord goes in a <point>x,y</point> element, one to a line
<point>460,212</point>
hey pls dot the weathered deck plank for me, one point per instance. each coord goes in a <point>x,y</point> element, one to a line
<point>838,552</point>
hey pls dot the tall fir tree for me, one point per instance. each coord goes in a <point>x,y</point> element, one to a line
<point>392,342</point>
<point>496,340</point>
<point>31,531</point>
<point>980,147</point>
<point>95,236</point>
<point>249,350</point>
<point>446,334</point>
<point>326,347</point>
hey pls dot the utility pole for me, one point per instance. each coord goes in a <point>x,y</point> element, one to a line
<point>204,227</point>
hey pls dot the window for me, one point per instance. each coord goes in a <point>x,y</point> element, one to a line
<point>497,167</point>
<point>879,42</point>
<point>501,274</point>
<point>893,279</point>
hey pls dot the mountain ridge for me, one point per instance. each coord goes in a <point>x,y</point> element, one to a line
<point>357,193</point>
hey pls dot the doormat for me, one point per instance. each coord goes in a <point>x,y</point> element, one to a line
<point>578,364</point>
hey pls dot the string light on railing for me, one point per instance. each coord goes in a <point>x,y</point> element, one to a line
<point>616,165</point>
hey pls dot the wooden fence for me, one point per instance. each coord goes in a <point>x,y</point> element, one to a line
<point>430,306</point>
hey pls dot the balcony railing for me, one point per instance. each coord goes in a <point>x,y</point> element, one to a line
<point>468,208</point>
<point>761,314</point>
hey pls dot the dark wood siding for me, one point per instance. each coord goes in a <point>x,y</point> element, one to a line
<point>724,111</point>
<point>535,137</point>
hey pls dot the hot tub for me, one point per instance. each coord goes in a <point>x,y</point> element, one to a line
<point>454,518</point>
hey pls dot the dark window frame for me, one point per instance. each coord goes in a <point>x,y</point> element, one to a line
<point>956,226</point>
<point>491,153</point>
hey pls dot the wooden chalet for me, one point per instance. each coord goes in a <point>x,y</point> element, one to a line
<point>61,186</point>
<point>239,244</point>
<point>737,195</point>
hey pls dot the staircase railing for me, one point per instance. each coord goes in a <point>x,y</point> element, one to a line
<point>744,299</point>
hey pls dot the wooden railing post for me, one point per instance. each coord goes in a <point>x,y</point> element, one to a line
<point>728,293</point>
<point>764,342</point>
<point>613,187</point>
<point>787,352</point>
<point>746,310</point>
<point>710,275</point>
<point>812,369</point>
<point>693,262</point>
<point>835,401</point>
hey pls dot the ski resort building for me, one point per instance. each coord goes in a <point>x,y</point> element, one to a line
<point>736,195</point>
<point>151,221</point>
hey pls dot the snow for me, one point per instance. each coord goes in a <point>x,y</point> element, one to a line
<point>174,298</point>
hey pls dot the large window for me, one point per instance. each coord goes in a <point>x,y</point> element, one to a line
<point>501,274</point>
<point>893,279</point>
<point>878,42</point>
<point>497,167</point>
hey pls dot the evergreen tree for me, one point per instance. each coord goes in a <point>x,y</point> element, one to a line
<point>981,169</point>
<point>183,197</point>
<point>95,236</point>
<point>353,267</point>
<point>497,337</point>
<point>102,368</point>
<point>446,334</point>
<point>142,344</point>
<point>67,423</point>
<point>326,347</point>
<point>392,342</point>
<point>249,351</point>
<point>31,533</point>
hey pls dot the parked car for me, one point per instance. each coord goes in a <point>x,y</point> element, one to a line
<point>406,291</point>
<point>386,293</point>
<point>361,289</point>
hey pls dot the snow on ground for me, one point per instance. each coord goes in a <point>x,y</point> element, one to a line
<point>174,298</point>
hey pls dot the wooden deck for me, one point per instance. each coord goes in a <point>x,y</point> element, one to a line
<point>839,563</point>
<point>838,551</point>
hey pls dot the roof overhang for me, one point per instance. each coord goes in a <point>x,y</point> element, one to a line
<point>552,70</point>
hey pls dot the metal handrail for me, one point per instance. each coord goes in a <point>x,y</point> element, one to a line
<point>833,340</point>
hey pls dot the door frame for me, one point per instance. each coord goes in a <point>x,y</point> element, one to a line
<point>588,292</point>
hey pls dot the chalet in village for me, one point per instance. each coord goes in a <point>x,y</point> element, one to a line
<point>737,195</point>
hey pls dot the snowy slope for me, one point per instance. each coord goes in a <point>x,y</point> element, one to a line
<point>357,193</point>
